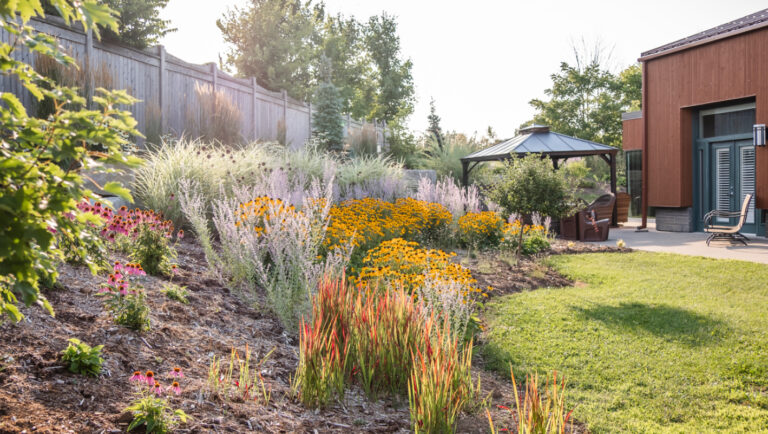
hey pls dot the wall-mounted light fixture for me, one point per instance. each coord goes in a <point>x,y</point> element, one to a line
<point>758,134</point>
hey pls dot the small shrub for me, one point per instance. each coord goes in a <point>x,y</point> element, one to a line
<point>126,301</point>
<point>481,230</point>
<point>150,408</point>
<point>85,249</point>
<point>531,185</point>
<point>152,249</point>
<point>535,238</point>
<point>176,292</point>
<point>579,174</point>
<point>83,359</point>
<point>535,413</point>
<point>143,234</point>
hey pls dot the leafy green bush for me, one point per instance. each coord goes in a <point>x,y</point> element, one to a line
<point>535,238</point>
<point>41,160</point>
<point>531,185</point>
<point>133,312</point>
<point>403,146</point>
<point>153,250</point>
<point>126,302</point>
<point>176,292</point>
<point>150,409</point>
<point>155,414</point>
<point>87,249</point>
<point>579,174</point>
<point>83,359</point>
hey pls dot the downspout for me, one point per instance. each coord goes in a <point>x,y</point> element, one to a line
<point>644,148</point>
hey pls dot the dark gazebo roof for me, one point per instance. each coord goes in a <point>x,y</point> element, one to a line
<point>537,139</point>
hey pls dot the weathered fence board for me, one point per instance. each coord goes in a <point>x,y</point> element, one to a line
<point>165,86</point>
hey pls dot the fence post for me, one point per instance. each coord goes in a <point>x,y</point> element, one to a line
<point>255,116</point>
<point>349,125</point>
<point>161,87</point>
<point>285,109</point>
<point>310,120</point>
<point>215,75</point>
<point>88,69</point>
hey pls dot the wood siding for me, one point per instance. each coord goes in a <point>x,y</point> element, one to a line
<point>632,134</point>
<point>728,69</point>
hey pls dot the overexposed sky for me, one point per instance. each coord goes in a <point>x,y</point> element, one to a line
<point>484,60</point>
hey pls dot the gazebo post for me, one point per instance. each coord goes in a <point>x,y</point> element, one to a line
<point>615,218</point>
<point>464,173</point>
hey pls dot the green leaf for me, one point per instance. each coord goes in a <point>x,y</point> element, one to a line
<point>16,107</point>
<point>117,189</point>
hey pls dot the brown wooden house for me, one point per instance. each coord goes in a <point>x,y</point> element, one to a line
<point>693,140</point>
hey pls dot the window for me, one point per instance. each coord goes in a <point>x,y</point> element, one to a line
<point>634,181</point>
<point>727,121</point>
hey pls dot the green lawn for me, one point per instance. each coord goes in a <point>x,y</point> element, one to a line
<point>649,343</point>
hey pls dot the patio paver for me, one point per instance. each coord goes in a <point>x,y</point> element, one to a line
<point>688,243</point>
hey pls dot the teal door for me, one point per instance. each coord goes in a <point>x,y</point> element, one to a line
<point>732,177</point>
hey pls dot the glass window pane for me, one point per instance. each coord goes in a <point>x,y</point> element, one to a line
<point>726,124</point>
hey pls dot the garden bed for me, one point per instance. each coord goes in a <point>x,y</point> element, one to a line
<point>38,394</point>
<point>507,275</point>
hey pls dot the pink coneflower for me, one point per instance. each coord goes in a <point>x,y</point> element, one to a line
<point>118,267</point>
<point>174,269</point>
<point>112,279</point>
<point>175,388</point>
<point>180,235</point>
<point>149,377</point>
<point>176,372</point>
<point>137,376</point>
<point>157,388</point>
<point>104,289</point>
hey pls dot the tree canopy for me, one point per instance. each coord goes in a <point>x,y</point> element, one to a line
<point>138,21</point>
<point>586,99</point>
<point>282,42</point>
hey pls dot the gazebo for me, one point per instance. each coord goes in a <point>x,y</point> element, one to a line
<point>537,139</point>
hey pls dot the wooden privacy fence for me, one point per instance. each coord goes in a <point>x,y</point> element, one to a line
<point>168,89</point>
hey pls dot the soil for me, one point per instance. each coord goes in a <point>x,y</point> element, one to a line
<point>38,394</point>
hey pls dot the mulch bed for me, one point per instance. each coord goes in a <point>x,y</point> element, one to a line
<point>37,394</point>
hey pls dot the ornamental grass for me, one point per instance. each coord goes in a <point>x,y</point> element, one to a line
<point>387,344</point>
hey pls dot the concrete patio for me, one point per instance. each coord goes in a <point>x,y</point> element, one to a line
<point>687,243</point>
